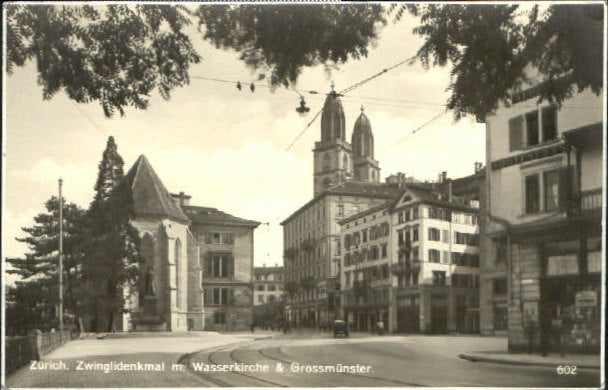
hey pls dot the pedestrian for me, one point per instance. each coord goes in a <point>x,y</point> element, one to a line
<point>252,327</point>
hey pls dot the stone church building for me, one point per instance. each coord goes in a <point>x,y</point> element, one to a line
<point>198,267</point>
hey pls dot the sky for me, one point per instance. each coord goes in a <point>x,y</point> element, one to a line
<point>227,148</point>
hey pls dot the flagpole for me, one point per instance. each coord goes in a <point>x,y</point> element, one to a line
<point>60,257</point>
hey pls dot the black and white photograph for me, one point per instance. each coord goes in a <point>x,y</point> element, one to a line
<point>312,194</point>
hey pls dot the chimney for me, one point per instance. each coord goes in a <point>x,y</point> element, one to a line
<point>478,167</point>
<point>181,199</point>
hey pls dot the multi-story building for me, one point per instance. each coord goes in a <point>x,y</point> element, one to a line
<point>543,229</point>
<point>346,181</point>
<point>268,297</point>
<point>225,246</point>
<point>412,263</point>
<point>365,279</point>
<point>268,284</point>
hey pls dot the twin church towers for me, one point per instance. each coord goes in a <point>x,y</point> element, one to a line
<point>336,161</point>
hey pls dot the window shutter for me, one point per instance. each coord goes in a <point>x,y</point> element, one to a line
<point>565,188</point>
<point>516,127</point>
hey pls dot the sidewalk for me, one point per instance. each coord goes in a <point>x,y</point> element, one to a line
<point>534,359</point>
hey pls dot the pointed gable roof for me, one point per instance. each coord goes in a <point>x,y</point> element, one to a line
<point>150,197</point>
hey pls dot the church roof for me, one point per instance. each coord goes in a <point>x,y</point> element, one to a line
<point>212,216</point>
<point>150,197</point>
<point>354,188</point>
<point>332,118</point>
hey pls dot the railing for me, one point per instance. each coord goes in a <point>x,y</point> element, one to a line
<point>21,350</point>
<point>591,199</point>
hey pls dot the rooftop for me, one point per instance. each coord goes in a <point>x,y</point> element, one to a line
<point>149,195</point>
<point>354,188</point>
<point>213,216</point>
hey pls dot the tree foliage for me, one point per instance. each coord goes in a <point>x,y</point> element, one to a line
<point>283,39</point>
<point>31,302</point>
<point>118,54</point>
<point>491,49</point>
<point>115,54</point>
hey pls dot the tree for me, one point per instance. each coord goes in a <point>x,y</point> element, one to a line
<point>283,39</point>
<point>118,54</point>
<point>491,47</point>
<point>115,54</point>
<point>111,267</point>
<point>36,295</point>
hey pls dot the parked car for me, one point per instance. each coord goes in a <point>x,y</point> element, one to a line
<point>340,328</point>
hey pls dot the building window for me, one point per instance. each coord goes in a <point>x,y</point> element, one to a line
<point>500,286</point>
<point>446,236</point>
<point>434,234</point>
<point>415,233</point>
<point>439,278</point>
<point>219,266</point>
<point>551,184</point>
<point>384,251</point>
<point>219,296</point>
<point>467,239</point>
<point>227,238</point>
<point>219,318</point>
<point>500,317</point>
<point>548,194</point>
<point>272,287</point>
<point>340,211</point>
<point>260,299</point>
<point>532,194</point>
<point>434,256</point>
<point>364,235</point>
<point>414,279</point>
<point>261,287</point>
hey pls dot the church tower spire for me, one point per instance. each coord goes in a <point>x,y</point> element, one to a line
<point>332,155</point>
<point>365,167</point>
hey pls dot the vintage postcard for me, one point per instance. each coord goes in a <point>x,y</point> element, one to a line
<point>303,194</point>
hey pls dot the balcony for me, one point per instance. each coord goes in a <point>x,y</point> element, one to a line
<point>585,202</point>
<point>590,200</point>
<point>406,266</point>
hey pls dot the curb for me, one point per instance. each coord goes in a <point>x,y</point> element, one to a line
<point>477,358</point>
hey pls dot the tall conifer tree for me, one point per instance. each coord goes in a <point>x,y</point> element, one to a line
<point>35,296</point>
<point>112,254</point>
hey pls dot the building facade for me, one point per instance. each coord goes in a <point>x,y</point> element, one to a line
<point>268,297</point>
<point>413,262</point>
<point>543,227</point>
<point>268,284</point>
<point>346,181</point>
<point>225,245</point>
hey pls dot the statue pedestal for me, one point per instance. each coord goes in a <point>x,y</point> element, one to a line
<point>149,305</point>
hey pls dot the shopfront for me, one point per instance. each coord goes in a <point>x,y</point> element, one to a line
<point>571,295</point>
